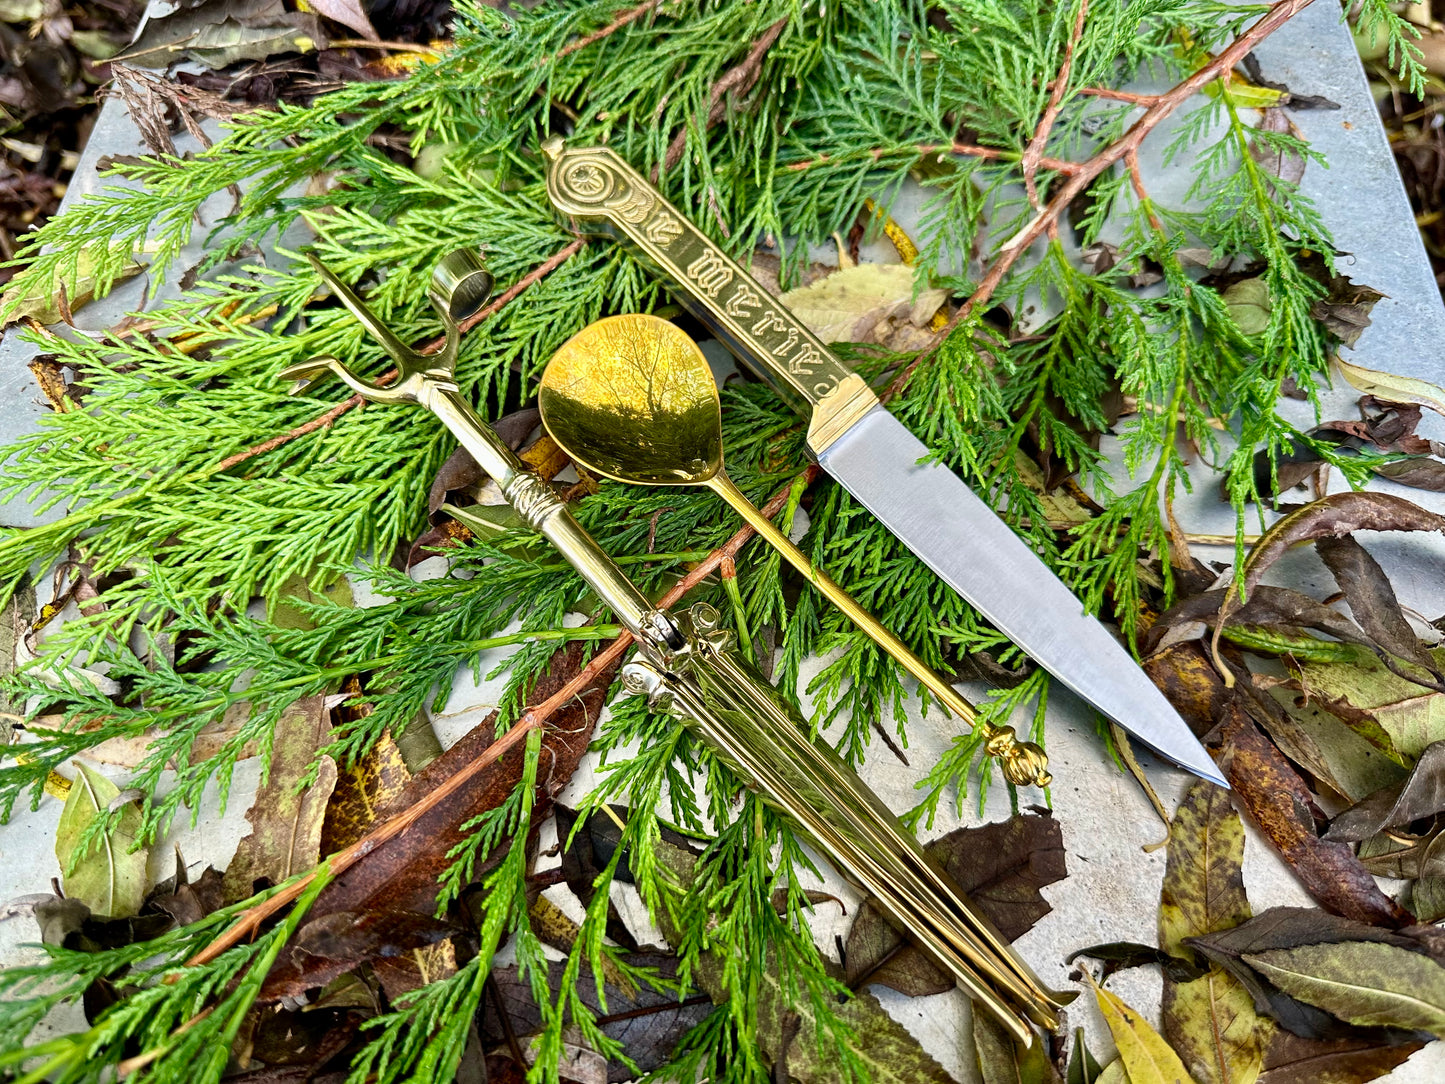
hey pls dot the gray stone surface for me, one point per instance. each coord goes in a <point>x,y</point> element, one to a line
<point>1113,887</point>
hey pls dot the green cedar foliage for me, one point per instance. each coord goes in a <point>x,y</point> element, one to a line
<point>158,479</point>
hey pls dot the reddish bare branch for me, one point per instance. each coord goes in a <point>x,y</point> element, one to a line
<point>1109,94</point>
<point>739,79</point>
<point>1035,150</point>
<point>967,150</point>
<point>629,16</point>
<point>249,922</point>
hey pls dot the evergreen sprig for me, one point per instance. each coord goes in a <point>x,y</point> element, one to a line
<point>190,470</point>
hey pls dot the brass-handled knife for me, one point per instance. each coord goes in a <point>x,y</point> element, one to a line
<point>859,443</point>
<point>687,666</point>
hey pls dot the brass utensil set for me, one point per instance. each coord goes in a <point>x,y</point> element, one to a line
<point>631,398</point>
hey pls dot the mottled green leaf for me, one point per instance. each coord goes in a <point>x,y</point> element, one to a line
<point>1249,305</point>
<point>287,614</point>
<point>108,872</point>
<point>1363,983</point>
<point>1203,881</point>
<point>286,818</point>
<point>1209,1021</point>
<point>1411,715</point>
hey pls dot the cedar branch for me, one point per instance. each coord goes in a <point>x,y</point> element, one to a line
<point>1086,172</point>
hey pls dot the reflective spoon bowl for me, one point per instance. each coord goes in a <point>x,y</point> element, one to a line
<point>632,398</point>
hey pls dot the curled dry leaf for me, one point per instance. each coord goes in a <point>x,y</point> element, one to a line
<point>1334,516</point>
<point>1392,388</point>
<point>1372,600</point>
<point>1420,795</point>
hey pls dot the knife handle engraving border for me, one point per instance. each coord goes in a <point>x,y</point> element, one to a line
<point>600,193</point>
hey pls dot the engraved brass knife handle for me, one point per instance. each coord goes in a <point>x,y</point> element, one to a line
<point>601,193</point>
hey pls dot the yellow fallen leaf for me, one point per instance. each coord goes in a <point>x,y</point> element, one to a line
<point>1146,1057</point>
<point>1391,387</point>
<point>864,304</point>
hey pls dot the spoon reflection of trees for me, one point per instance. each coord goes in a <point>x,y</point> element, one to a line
<point>635,404</point>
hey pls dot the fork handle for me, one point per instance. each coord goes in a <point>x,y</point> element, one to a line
<point>536,503</point>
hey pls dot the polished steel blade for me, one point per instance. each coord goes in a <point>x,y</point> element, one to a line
<point>958,536</point>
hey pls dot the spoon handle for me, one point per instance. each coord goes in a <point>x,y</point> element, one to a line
<point>1024,763</point>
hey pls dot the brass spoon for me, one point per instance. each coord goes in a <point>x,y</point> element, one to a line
<point>631,398</point>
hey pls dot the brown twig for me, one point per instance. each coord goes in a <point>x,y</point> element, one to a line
<point>967,150</point>
<point>1029,163</point>
<point>249,922</point>
<point>1164,104</point>
<point>739,79</point>
<point>1113,95</point>
<point>322,421</point>
<point>384,46</point>
<point>628,16</point>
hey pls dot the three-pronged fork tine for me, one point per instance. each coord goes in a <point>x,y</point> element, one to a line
<point>460,286</point>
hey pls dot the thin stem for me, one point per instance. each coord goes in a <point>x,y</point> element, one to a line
<point>1033,153</point>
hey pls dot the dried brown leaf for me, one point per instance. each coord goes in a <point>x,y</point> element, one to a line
<point>1420,795</point>
<point>1001,866</point>
<point>1372,600</point>
<point>285,836</point>
<point>401,874</point>
<point>1290,1059</point>
<point>1279,803</point>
